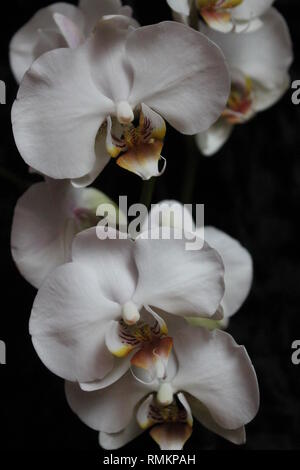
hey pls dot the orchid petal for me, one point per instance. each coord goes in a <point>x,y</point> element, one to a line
<point>120,439</point>
<point>219,373</point>
<point>68,321</point>
<point>120,368</point>
<point>177,280</point>
<point>24,47</point>
<point>211,141</point>
<point>263,55</point>
<point>55,124</point>
<point>251,9</point>
<point>102,159</point>
<point>108,66</point>
<point>94,10</point>
<point>69,30</point>
<point>113,147</point>
<point>112,260</point>
<point>180,6</point>
<point>104,409</point>
<point>46,219</point>
<point>114,342</point>
<point>238,269</point>
<point>265,97</point>
<point>143,415</point>
<point>182,399</point>
<point>37,233</point>
<point>202,414</point>
<point>189,87</point>
<point>126,10</point>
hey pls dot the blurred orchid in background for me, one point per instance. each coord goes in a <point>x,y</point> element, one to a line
<point>208,376</point>
<point>259,62</point>
<point>46,219</point>
<point>76,108</point>
<point>224,15</point>
<point>56,26</point>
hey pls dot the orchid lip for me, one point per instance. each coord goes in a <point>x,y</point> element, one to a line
<point>130,313</point>
<point>125,114</point>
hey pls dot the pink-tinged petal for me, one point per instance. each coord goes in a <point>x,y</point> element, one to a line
<point>69,30</point>
<point>182,7</point>
<point>211,141</point>
<point>112,260</point>
<point>120,439</point>
<point>120,367</point>
<point>46,219</point>
<point>251,9</point>
<point>25,45</point>
<point>219,373</point>
<point>58,113</point>
<point>264,55</point>
<point>171,436</point>
<point>238,269</point>
<point>38,233</point>
<point>201,413</point>
<point>177,280</point>
<point>189,82</point>
<point>68,322</point>
<point>105,410</point>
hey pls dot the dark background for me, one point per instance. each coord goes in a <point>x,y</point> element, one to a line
<point>250,190</point>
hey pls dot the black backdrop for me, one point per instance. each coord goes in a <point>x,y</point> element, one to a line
<point>250,190</point>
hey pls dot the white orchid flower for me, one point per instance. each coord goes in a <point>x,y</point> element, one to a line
<point>76,108</point>
<point>58,25</point>
<point>259,63</point>
<point>90,318</point>
<point>46,219</point>
<point>210,378</point>
<point>225,15</point>
<point>237,260</point>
